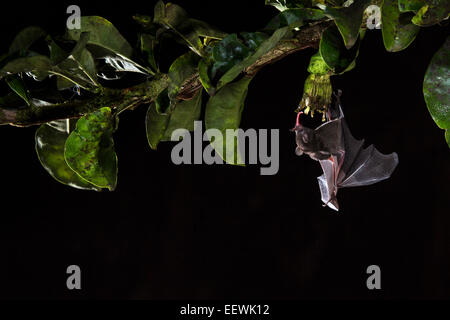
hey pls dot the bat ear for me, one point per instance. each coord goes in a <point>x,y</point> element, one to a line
<point>306,138</point>
<point>338,93</point>
<point>298,151</point>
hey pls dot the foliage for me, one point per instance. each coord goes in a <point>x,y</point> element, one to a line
<point>436,88</point>
<point>215,73</point>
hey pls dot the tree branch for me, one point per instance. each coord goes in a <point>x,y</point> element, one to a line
<point>122,99</point>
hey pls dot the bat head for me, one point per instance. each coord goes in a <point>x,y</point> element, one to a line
<point>305,138</point>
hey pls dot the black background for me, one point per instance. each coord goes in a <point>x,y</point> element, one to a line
<point>200,232</point>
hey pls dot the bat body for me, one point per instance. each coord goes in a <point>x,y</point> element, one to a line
<point>344,161</point>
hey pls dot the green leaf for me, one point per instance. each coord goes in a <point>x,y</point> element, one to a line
<point>204,77</point>
<point>123,64</point>
<point>317,65</point>
<point>57,54</point>
<point>348,20</point>
<point>447,137</point>
<point>427,12</point>
<point>89,150</point>
<point>230,48</point>
<point>223,111</point>
<point>164,116</point>
<point>432,12</point>
<point>50,141</point>
<point>265,47</point>
<point>253,39</point>
<point>227,53</point>
<point>294,18</point>
<point>18,86</point>
<point>28,64</point>
<point>333,51</point>
<point>146,22</point>
<point>26,38</point>
<point>159,11</point>
<point>190,30</point>
<point>283,5</point>
<point>183,116</point>
<point>410,5</point>
<point>40,67</point>
<point>148,44</point>
<point>103,34</point>
<point>157,119</point>
<point>398,32</point>
<point>183,68</point>
<point>11,101</point>
<point>80,62</point>
<point>436,88</point>
<point>155,124</point>
<point>204,30</point>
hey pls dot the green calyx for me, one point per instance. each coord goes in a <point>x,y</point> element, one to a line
<point>316,94</point>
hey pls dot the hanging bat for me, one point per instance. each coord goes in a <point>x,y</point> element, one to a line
<point>344,161</point>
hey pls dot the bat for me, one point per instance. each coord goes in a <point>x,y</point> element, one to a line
<point>344,161</point>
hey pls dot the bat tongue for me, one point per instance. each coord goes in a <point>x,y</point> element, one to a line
<point>297,124</point>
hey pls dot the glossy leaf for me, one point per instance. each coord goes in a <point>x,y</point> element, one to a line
<point>146,22</point>
<point>223,111</point>
<point>11,101</point>
<point>18,86</point>
<point>190,30</point>
<point>57,54</point>
<point>80,62</point>
<point>123,64</point>
<point>348,20</point>
<point>26,38</point>
<point>227,53</point>
<point>204,77</point>
<point>157,119</point>
<point>253,39</point>
<point>204,30</point>
<point>265,47</point>
<point>39,67</point>
<point>164,116</point>
<point>148,44</point>
<point>89,150</point>
<point>398,32</point>
<point>295,18</point>
<point>28,64</point>
<point>283,5</point>
<point>432,12</point>
<point>103,34</point>
<point>50,141</point>
<point>159,11</point>
<point>155,125</point>
<point>183,116</point>
<point>436,88</point>
<point>317,65</point>
<point>410,5</point>
<point>333,51</point>
<point>183,68</point>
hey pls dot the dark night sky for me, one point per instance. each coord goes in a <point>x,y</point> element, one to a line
<point>199,232</point>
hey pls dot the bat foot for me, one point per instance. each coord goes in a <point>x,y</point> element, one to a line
<point>332,203</point>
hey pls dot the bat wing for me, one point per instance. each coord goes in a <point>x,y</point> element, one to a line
<point>363,167</point>
<point>327,183</point>
<point>350,165</point>
<point>330,134</point>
